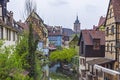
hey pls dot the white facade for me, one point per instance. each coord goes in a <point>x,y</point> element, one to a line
<point>8,27</point>
<point>8,35</point>
<point>0,12</point>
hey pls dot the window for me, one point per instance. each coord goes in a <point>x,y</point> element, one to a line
<point>13,36</point>
<point>112,29</point>
<point>107,31</point>
<point>1,32</point>
<point>9,35</point>
<point>111,48</point>
<point>107,47</point>
<point>82,48</point>
<point>110,13</point>
<point>84,62</point>
<point>96,44</point>
<point>100,73</point>
<point>111,66</point>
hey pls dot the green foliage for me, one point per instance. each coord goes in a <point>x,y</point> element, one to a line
<point>21,52</point>
<point>38,71</point>
<point>74,41</point>
<point>58,76</point>
<point>61,55</point>
<point>11,63</point>
<point>102,28</point>
<point>32,45</point>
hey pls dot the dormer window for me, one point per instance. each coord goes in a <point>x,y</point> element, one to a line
<point>96,44</point>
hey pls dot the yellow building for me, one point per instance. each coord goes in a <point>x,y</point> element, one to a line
<point>101,23</point>
<point>107,68</point>
<point>40,31</point>
<point>112,38</point>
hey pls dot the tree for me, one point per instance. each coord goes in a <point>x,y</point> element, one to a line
<point>32,45</point>
<point>30,5</point>
<point>62,55</point>
<point>12,61</point>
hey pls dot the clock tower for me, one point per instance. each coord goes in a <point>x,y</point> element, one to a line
<point>76,25</point>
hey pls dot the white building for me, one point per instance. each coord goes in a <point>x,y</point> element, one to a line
<point>9,29</point>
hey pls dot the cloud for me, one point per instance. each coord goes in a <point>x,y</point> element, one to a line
<point>57,2</point>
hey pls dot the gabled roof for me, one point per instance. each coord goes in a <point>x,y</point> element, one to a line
<point>75,37</point>
<point>35,15</point>
<point>101,21</point>
<point>67,32</point>
<point>116,9</point>
<point>89,35</point>
<point>95,27</point>
<point>23,25</point>
<point>54,31</point>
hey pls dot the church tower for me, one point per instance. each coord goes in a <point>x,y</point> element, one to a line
<point>76,25</point>
<point>3,9</point>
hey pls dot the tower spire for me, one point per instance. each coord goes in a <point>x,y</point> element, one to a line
<point>77,17</point>
<point>77,25</point>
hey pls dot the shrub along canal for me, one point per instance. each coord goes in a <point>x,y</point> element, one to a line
<point>58,73</point>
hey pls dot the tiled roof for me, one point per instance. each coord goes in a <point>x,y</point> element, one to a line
<point>67,32</point>
<point>116,9</point>
<point>95,27</point>
<point>86,37</point>
<point>54,31</point>
<point>101,21</point>
<point>23,25</point>
<point>99,61</point>
<point>89,35</point>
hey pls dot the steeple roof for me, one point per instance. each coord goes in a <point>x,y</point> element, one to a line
<point>77,21</point>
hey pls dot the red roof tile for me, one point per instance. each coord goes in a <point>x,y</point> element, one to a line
<point>95,27</point>
<point>89,35</point>
<point>116,9</point>
<point>54,31</point>
<point>101,21</point>
<point>23,25</point>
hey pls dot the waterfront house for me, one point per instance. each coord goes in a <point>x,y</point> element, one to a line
<point>108,68</point>
<point>91,46</point>
<point>55,35</point>
<point>9,29</point>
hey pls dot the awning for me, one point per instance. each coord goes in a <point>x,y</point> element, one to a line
<point>99,61</point>
<point>109,71</point>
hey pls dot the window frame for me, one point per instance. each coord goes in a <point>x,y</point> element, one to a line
<point>1,32</point>
<point>96,44</point>
<point>112,29</point>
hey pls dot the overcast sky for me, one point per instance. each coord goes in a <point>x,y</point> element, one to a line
<point>63,12</point>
